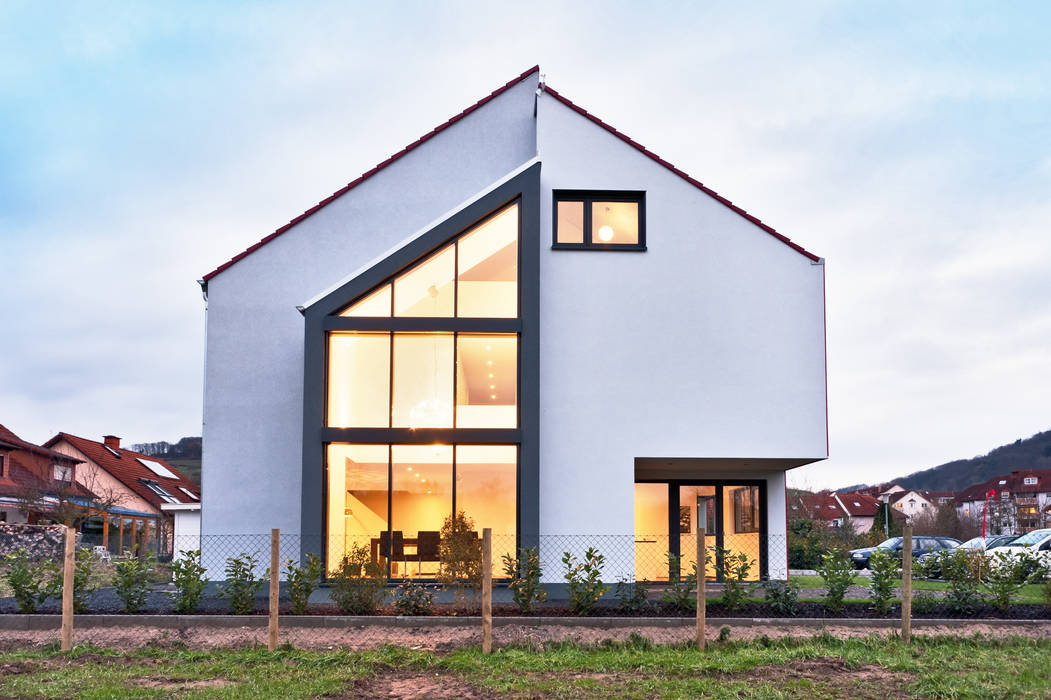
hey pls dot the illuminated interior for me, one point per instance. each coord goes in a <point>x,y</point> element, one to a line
<point>733,524</point>
<point>599,219</point>
<point>615,222</point>
<point>393,498</point>
<point>570,224</point>
<point>415,482</point>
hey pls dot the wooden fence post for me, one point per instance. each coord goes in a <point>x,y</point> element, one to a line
<point>275,585</point>
<point>487,591</point>
<point>67,588</point>
<point>702,575</point>
<point>906,584</point>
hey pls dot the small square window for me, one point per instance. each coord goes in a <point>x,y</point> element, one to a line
<point>1029,481</point>
<point>599,220</point>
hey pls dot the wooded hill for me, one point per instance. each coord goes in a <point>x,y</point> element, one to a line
<point>1031,453</point>
<point>185,455</point>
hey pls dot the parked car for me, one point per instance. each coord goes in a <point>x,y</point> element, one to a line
<point>930,562</point>
<point>921,545</point>
<point>1036,543</point>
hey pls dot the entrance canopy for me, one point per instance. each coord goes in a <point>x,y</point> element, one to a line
<point>649,468</point>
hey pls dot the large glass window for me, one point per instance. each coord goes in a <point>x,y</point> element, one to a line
<point>487,268</point>
<point>486,381</point>
<point>378,303</point>
<point>427,289</point>
<point>415,484</point>
<point>359,380</point>
<point>423,380</point>
<point>357,488</point>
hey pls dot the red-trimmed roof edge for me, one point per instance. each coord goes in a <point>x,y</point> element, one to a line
<point>696,183</point>
<point>364,176</point>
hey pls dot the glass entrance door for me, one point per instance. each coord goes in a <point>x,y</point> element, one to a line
<point>697,507</point>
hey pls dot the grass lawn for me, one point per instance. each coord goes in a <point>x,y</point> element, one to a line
<point>1030,593</point>
<point>819,667</point>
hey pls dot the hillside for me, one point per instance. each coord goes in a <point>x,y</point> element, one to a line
<point>1031,453</point>
<point>184,455</point>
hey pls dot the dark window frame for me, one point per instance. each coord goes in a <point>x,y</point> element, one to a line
<point>588,197</point>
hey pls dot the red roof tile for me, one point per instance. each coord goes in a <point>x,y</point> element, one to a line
<point>15,442</point>
<point>860,504</point>
<point>1014,483</point>
<point>130,472</point>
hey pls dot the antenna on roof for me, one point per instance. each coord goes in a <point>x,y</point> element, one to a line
<point>542,84</point>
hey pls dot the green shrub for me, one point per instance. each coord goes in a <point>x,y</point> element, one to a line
<point>241,584</point>
<point>524,579</point>
<point>132,581</point>
<point>412,598</point>
<point>585,580</point>
<point>1004,575</point>
<point>189,580</point>
<point>302,580</point>
<point>1046,588</point>
<point>885,573</point>
<point>735,569</point>
<point>32,582</point>
<point>631,596</point>
<point>460,559</point>
<point>83,585</point>
<point>837,572</point>
<point>783,596</point>
<point>960,568</point>
<point>358,584</point>
<point>681,592</point>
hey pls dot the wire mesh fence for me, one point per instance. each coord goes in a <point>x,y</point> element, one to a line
<point>368,591</point>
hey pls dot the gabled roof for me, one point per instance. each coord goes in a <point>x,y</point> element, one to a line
<point>860,504</point>
<point>9,440</point>
<point>496,93</point>
<point>1013,482</point>
<point>124,465</point>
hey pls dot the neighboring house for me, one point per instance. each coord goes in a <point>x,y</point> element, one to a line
<point>1021,501</point>
<point>836,509</point>
<point>529,317</point>
<point>882,492</point>
<point>138,486</point>
<point>861,507</point>
<point>912,503</point>
<point>36,483</point>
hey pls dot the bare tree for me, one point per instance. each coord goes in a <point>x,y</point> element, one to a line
<point>69,502</point>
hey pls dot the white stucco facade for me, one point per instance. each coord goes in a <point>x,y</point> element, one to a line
<point>708,346</point>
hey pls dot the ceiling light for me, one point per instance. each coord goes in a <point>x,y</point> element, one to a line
<point>409,468</point>
<point>492,396</point>
<point>490,362</point>
<point>490,375</point>
<point>488,347</point>
<point>492,386</point>
<point>423,481</point>
<point>606,233</point>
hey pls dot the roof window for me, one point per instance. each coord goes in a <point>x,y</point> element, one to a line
<point>189,493</point>
<point>160,491</point>
<point>157,468</point>
<point>1029,481</point>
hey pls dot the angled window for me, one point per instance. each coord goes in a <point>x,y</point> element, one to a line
<point>599,220</point>
<point>160,491</point>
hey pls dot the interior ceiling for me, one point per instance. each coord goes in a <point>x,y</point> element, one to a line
<point>475,359</point>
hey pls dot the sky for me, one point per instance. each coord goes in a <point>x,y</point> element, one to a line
<point>909,144</point>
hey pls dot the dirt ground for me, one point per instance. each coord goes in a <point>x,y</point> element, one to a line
<point>445,638</point>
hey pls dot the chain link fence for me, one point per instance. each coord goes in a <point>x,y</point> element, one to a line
<point>640,586</point>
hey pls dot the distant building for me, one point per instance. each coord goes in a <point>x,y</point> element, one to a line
<point>35,482</point>
<point>1021,500</point>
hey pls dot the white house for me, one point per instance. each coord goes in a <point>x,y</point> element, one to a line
<point>527,316</point>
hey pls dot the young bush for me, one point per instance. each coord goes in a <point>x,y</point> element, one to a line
<point>32,582</point>
<point>924,603</point>
<point>188,576</point>
<point>241,584</point>
<point>681,592</point>
<point>83,585</point>
<point>735,569</point>
<point>460,559</point>
<point>631,596</point>
<point>524,579</point>
<point>1004,575</point>
<point>585,580</point>
<point>837,572</point>
<point>783,596</point>
<point>132,581</point>
<point>960,569</point>
<point>302,580</point>
<point>885,573</point>
<point>358,585</point>
<point>412,598</point>
<point>1045,573</point>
